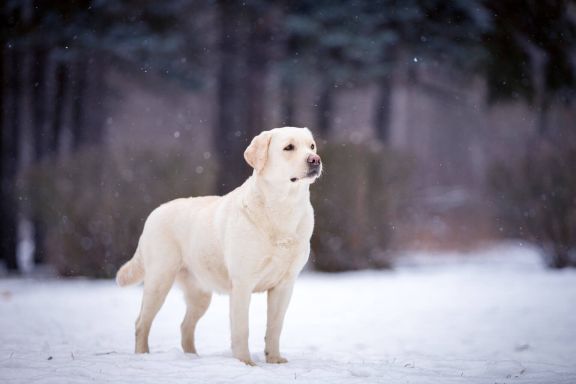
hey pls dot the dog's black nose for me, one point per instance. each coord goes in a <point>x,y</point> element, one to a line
<point>314,160</point>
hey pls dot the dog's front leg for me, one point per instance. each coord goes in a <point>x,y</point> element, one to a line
<point>278,300</point>
<point>239,310</point>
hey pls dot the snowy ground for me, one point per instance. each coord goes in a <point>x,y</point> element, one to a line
<point>495,319</point>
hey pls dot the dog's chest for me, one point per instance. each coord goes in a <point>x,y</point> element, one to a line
<point>284,258</point>
<point>284,235</point>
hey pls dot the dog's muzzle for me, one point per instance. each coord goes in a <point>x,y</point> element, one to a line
<point>314,167</point>
<point>314,164</point>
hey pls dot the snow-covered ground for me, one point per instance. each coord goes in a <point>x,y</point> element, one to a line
<point>493,318</point>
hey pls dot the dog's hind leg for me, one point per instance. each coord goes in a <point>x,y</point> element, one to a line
<point>197,302</point>
<point>159,278</point>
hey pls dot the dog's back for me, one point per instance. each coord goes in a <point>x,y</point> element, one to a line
<point>164,222</point>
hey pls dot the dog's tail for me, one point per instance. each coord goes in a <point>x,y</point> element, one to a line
<point>132,272</point>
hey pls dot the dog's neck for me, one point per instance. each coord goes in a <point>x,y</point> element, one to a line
<point>277,196</point>
<point>276,208</point>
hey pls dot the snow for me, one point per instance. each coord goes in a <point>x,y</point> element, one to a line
<point>492,317</point>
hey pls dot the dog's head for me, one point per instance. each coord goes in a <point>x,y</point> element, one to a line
<point>285,155</point>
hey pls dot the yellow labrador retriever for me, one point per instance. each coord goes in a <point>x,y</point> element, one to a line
<point>254,239</point>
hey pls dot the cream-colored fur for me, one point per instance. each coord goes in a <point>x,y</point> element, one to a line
<point>254,239</point>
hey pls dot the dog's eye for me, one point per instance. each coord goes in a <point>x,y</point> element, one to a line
<point>289,147</point>
<point>312,146</point>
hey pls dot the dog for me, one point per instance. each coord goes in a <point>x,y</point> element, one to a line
<point>253,239</point>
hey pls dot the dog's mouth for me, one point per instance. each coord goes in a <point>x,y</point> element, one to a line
<point>312,173</point>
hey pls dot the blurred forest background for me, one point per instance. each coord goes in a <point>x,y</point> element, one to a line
<point>442,124</point>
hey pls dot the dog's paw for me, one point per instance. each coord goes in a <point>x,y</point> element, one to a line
<point>248,362</point>
<point>275,360</point>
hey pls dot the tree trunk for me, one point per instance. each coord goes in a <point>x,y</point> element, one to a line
<point>542,118</point>
<point>56,129</point>
<point>11,87</point>
<point>258,58</point>
<point>325,107</point>
<point>3,20</point>
<point>78,95</point>
<point>231,133</point>
<point>41,137</point>
<point>383,110</point>
<point>288,100</point>
<point>288,82</point>
<point>94,120</point>
<point>39,102</point>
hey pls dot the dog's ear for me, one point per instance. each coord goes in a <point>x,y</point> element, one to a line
<point>257,152</point>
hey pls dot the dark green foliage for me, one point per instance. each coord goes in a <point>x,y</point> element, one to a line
<point>361,39</point>
<point>140,35</point>
<point>500,39</point>
<point>356,203</point>
<point>530,50</point>
<point>94,204</point>
<point>345,43</point>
